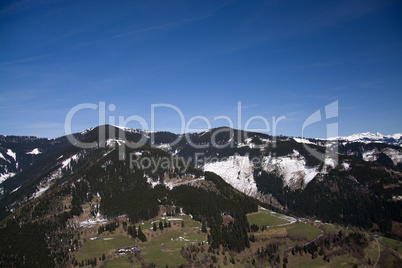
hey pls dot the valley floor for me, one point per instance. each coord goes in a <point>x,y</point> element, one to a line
<point>282,242</point>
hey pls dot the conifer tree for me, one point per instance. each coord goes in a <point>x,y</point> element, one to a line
<point>203,227</point>
<point>141,235</point>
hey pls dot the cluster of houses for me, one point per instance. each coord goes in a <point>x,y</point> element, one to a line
<point>123,251</point>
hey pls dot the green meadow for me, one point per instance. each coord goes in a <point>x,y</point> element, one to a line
<point>162,247</point>
<point>165,248</point>
<point>303,230</point>
<point>124,262</point>
<point>95,248</point>
<point>267,218</point>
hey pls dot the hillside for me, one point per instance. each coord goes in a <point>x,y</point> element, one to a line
<point>55,193</point>
<point>62,194</point>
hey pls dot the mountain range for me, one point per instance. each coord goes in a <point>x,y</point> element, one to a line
<point>44,183</point>
<point>367,137</point>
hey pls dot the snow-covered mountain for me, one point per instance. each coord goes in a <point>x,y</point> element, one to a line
<point>18,153</point>
<point>367,137</point>
<point>209,174</point>
<point>280,171</point>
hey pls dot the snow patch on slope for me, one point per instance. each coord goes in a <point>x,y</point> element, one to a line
<point>330,162</point>
<point>68,160</point>
<point>345,166</point>
<point>238,171</point>
<point>370,155</point>
<point>34,152</point>
<point>395,155</point>
<point>112,142</point>
<point>2,157</point>
<point>292,168</point>
<point>133,130</point>
<point>151,181</point>
<point>306,141</point>
<point>164,146</point>
<point>6,176</point>
<point>42,189</point>
<point>90,222</point>
<point>87,130</point>
<point>173,182</point>
<point>12,154</point>
<point>248,143</point>
<point>16,189</point>
<point>47,182</point>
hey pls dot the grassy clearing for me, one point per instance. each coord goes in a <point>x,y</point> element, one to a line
<point>305,261</point>
<point>342,261</point>
<point>165,248</point>
<point>124,262</point>
<point>189,222</point>
<point>277,231</point>
<point>303,230</point>
<point>95,248</point>
<point>331,228</point>
<point>391,243</point>
<point>371,251</point>
<point>267,218</point>
<point>162,247</point>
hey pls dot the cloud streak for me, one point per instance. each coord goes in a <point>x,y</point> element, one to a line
<point>341,13</point>
<point>147,29</point>
<point>29,59</point>
<point>23,5</point>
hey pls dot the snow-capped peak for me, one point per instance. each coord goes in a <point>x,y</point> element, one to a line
<point>367,137</point>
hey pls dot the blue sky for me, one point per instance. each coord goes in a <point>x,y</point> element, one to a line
<point>278,58</point>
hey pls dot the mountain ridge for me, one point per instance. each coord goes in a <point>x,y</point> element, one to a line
<point>276,155</point>
<point>235,171</point>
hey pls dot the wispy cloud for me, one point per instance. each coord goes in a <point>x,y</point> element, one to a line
<point>13,106</point>
<point>346,11</point>
<point>22,5</point>
<point>148,29</point>
<point>340,13</point>
<point>28,59</point>
<point>328,63</point>
<point>376,84</point>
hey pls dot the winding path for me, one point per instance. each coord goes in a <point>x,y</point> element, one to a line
<point>379,253</point>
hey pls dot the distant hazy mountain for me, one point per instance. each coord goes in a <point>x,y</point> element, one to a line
<point>367,137</point>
